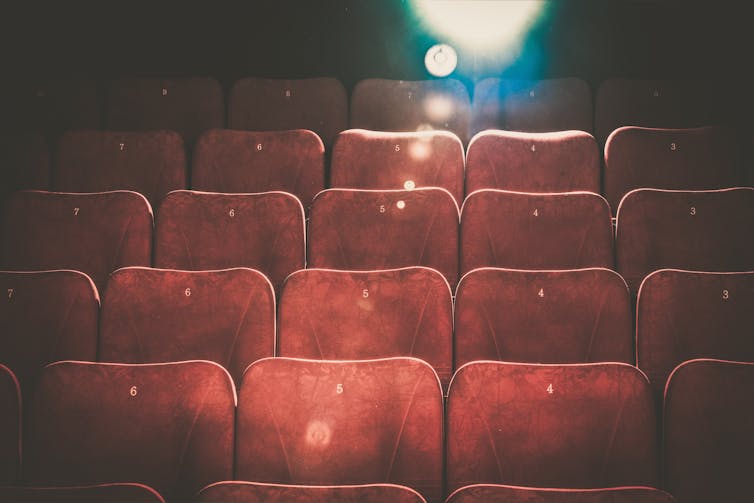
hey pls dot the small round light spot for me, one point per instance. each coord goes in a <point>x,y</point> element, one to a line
<point>164,92</point>
<point>409,185</point>
<point>441,60</point>
<point>400,204</point>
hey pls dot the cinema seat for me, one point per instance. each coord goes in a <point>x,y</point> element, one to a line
<point>99,493</point>
<point>418,105</point>
<point>159,315</point>
<point>364,159</point>
<point>255,492</point>
<point>525,230</point>
<point>563,426</point>
<point>317,104</point>
<point>493,493</point>
<point>94,233</point>
<point>707,431</point>
<point>683,159</point>
<point>347,315</point>
<point>188,106</point>
<point>167,425</point>
<point>260,161</point>
<point>533,162</point>
<point>569,316</point>
<point>45,317</point>
<point>692,230</point>
<point>316,422</point>
<point>10,426</point>
<point>151,163</point>
<point>354,229</point>
<point>532,105</point>
<point>207,230</point>
<point>24,163</point>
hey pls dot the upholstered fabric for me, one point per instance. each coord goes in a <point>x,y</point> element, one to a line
<point>208,230</point>
<point>317,104</point>
<point>684,159</point>
<point>571,316</point>
<point>10,426</point>
<point>384,160</point>
<point>384,229</point>
<point>340,315</point>
<point>694,230</point>
<point>255,492</point>
<point>402,105</point>
<point>151,163</point>
<point>568,426</point>
<point>257,161</point>
<point>533,162</point>
<point>520,230</point>
<point>94,233</point>
<point>169,426</point>
<point>707,434</point>
<point>532,105</point>
<point>100,493</point>
<point>493,493</point>
<point>341,422</point>
<point>46,317</point>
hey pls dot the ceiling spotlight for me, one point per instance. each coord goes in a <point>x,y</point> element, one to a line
<point>441,60</point>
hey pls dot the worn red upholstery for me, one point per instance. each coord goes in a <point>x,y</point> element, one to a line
<point>10,426</point>
<point>688,159</point>
<point>207,230</point>
<point>568,426</point>
<point>319,422</point>
<point>348,315</point>
<point>682,315</point>
<point>533,162</point>
<point>110,493</point>
<point>402,105</point>
<point>255,492</point>
<point>694,230</point>
<point>384,229</point>
<point>45,317</point>
<point>317,104</point>
<point>167,425</point>
<point>571,316</point>
<point>520,230</point>
<point>188,106</point>
<point>24,163</point>
<point>159,315</point>
<point>494,493</point>
<point>532,105</point>
<point>246,161</point>
<point>152,163</point>
<point>708,438</point>
<point>654,103</point>
<point>385,160</point>
<point>93,233</point>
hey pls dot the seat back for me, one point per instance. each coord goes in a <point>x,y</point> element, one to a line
<point>10,426</point>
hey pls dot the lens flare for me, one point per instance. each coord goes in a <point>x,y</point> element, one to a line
<point>441,60</point>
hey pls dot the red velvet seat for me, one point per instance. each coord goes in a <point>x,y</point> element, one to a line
<point>316,422</point>
<point>208,230</point>
<point>533,162</point>
<point>93,233</point>
<point>384,160</point>
<point>111,493</point>
<point>686,159</point>
<point>249,161</point>
<point>693,230</point>
<point>349,315</point>
<point>532,105</point>
<point>317,104</point>
<point>566,426</point>
<point>571,316</point>
<point>255,492</point>
<point>152,163</point>
<point>188,106</point>
<point>493,493</point>
<point>384,229</point>
<point>24,163</point>
<point>167,425</point>
<point>46,317</point>
<point>518,230</point>
<point>403,105</point>
<point>159,315</point>
<point>10,426</point>
<point>707,434</point>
